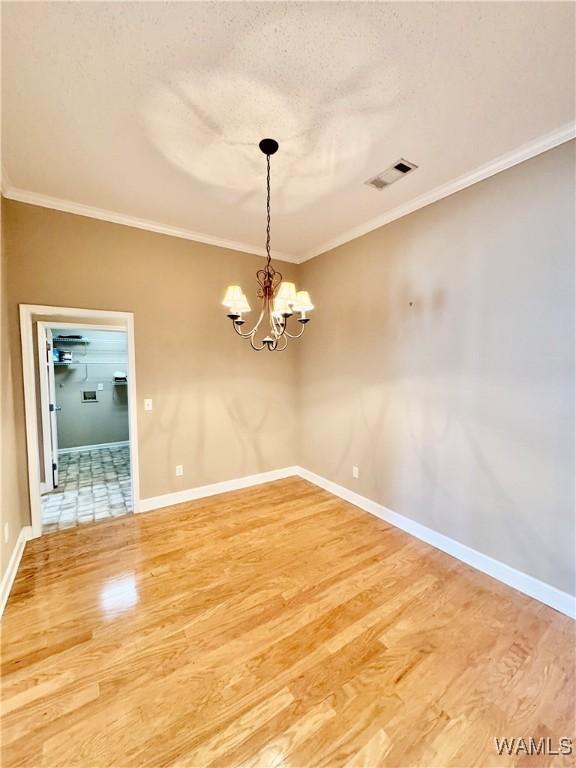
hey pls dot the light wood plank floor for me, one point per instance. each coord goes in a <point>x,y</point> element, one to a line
<point>277,627</point>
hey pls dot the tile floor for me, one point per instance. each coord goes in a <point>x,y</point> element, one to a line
<point>93,485</point>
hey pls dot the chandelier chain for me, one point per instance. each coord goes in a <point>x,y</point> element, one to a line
<point>268,211</point>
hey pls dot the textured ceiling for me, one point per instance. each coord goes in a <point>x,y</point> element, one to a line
<point>154,110</point>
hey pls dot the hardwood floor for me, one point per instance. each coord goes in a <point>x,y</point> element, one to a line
<point>276,627</point>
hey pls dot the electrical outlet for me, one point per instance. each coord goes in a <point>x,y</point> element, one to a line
<point>355,473</point>
<point>179,470</point>
<point>6,532</point>
<point>100,387</point>
<point>148,404</point>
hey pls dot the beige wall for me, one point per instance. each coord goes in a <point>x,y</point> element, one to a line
<point>440,359</point>
<point>14,502</point>
<point>220,409</point>
<point>441,362</point>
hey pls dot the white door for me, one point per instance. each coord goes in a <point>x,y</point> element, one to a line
<point>52,407</point>
<point>49,408</point>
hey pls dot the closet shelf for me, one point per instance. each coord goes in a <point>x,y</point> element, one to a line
<point>91,362</point>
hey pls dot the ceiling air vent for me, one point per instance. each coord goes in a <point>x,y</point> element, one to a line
<point>390,175</point>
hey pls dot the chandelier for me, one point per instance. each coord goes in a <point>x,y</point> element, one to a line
<point>279,299</point>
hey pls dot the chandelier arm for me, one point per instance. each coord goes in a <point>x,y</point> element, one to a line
<point>282,327</point>
<point>254,345</point>
<point>277,326</point>
<point>271,318</point>
<point>244,335</point>
<point>281,349</point>
<point>259,319</point>
<point>254,329</point>
<point>295,335</point>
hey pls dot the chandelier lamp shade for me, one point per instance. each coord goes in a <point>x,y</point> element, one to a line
<point>278,299</point>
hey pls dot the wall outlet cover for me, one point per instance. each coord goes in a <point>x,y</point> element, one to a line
<point>148,404</point>
<point>179,470</point>
<point>355,473</point>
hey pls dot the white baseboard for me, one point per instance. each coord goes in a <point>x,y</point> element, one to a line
<point>539,590</point>
<point>179,497</point>
<point>528,585</point>
<point>79,448</point>
<point>12,569</point>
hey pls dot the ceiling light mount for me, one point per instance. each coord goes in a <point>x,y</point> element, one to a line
<point>268,146</point>
<point>279,298</point>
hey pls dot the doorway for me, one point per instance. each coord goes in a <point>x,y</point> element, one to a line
<point>85,427</point>
<point>79,389</point>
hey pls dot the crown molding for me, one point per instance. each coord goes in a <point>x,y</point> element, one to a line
<point>508,160</point>
<point>67,206</point>
<point>519,155</point>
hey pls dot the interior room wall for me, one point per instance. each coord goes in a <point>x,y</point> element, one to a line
<point>440,359</point>
<point>219,408</point>
<point>441,363</point>
<point>95,363</point>
<point>14,501</point>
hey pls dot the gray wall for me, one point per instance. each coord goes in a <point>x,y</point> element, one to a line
<point>441,362</point>
<point>104,421</point>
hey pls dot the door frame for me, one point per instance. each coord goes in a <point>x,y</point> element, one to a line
<point>51,316</point>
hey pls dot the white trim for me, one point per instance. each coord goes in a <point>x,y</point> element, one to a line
<point>12,569</point>
<point>509,159</point>
<point>133,414</point>
<point>73,312</point>
<point>94,447</point>
<point>519,155</point>
<point>201,491</point>
<point>79,209</point>
<point>528,585</point>
<point>126,323</point>
<point>518,580</point>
